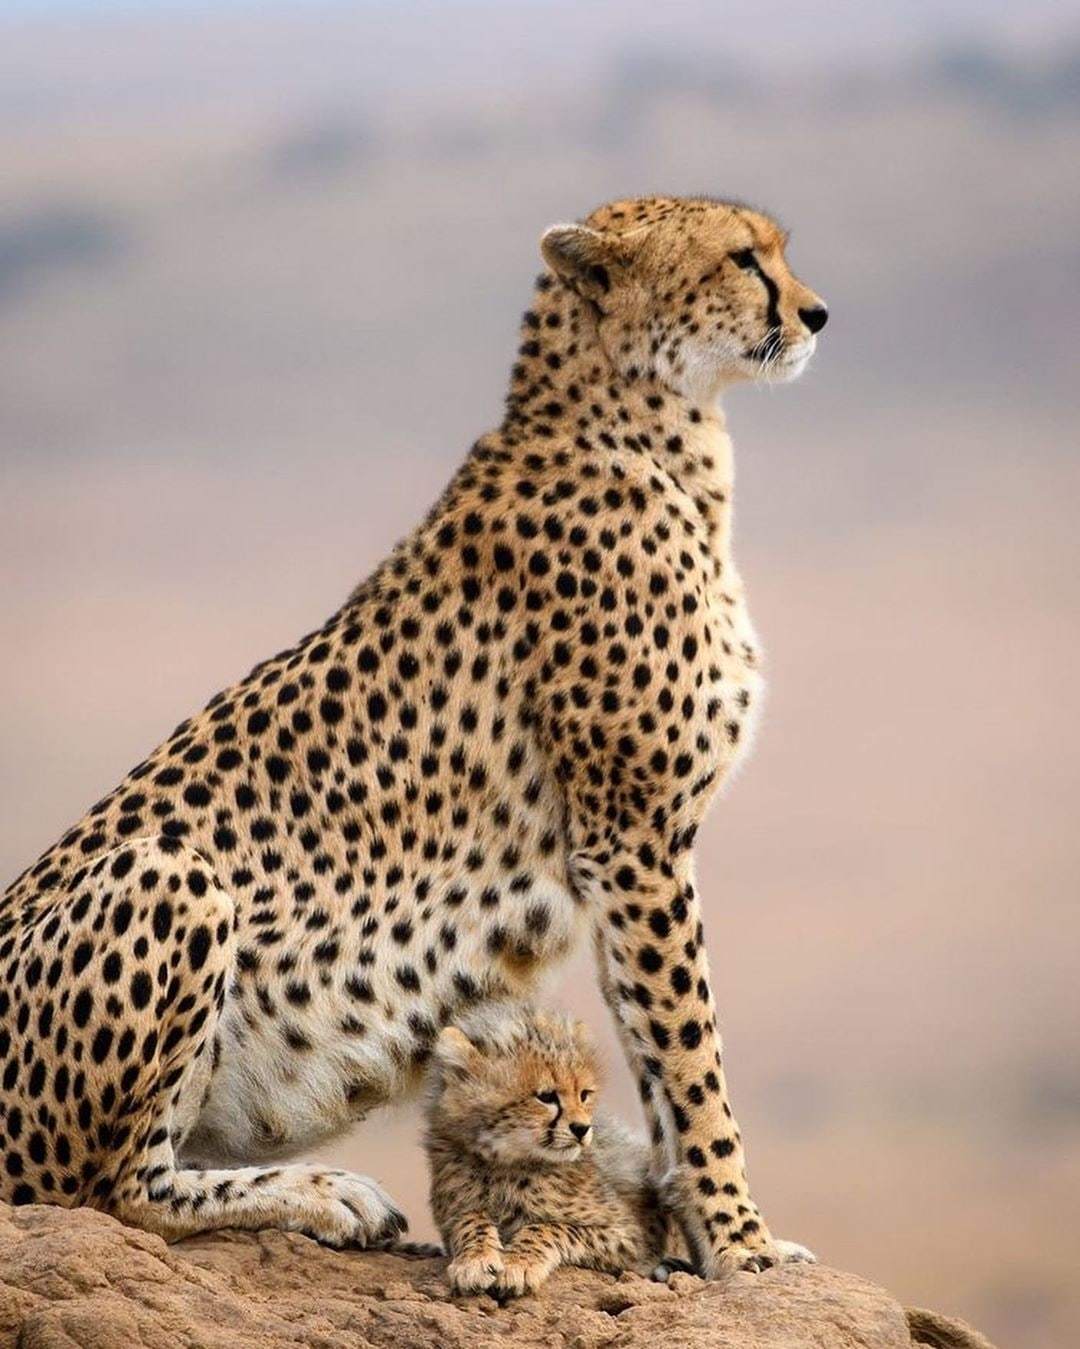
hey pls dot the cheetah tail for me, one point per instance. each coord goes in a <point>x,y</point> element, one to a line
<point>942,1332</point>
<point>415,1250</point>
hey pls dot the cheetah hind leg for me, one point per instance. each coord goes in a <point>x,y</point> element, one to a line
<point>154,1191</point>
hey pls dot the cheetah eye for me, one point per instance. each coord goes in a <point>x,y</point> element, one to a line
<point>586,1093</point>
<point>548,1097</point>
<point>744,258</point>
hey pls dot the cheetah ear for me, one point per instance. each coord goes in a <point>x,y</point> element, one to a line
<point>584,1041</point>
<point>585,259</point>
<point>455,1053</point>
<point>582,1037</point>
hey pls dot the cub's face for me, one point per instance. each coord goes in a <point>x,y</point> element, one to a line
<point>695,293</point>
<point>532,1104</point>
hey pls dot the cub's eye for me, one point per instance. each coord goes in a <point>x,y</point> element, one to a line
<point>745,259</point>
<point>586,1093</point>
<point>548,1097</point>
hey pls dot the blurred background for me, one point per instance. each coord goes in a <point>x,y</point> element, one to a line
<point>261,269</point>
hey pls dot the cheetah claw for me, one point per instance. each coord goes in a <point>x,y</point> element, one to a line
<point>474,1274</point>
<point>737,1260</point>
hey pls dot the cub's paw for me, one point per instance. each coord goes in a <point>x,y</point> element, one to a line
<point>474,1273</point>
<point>521,1274</point>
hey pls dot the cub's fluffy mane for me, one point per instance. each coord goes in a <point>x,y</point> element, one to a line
<point>502,1027</point>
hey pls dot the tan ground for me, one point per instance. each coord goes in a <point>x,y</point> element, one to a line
<point>81,1281</point>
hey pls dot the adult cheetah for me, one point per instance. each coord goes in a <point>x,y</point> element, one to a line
<point>504,739</point>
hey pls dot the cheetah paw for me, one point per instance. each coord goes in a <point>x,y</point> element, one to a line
<point>474,1273</point>
<point>791,1253</point>
<point>736,1259</point>
<point>341,1209</point>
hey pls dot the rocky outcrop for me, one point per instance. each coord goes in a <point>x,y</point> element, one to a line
<point>79,1280</point>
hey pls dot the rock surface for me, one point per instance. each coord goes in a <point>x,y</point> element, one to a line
<point>79,1280</point>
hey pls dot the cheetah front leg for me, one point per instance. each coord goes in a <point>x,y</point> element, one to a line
<point>475,1251</point>
<point>649,1087</point>
<point>655,978</point>
<point>538,1249</point>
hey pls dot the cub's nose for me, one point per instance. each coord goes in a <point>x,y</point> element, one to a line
<point>815,318</point>
<point>579,1131</point>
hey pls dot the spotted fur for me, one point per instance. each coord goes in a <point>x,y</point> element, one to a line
<point>503,741</point>
<point>523,1178</point>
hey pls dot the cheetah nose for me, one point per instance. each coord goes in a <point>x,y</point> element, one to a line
<point>816,318</point>
<point>579,1131</point>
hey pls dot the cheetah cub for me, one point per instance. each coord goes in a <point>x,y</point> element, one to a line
<point>523,1179</point>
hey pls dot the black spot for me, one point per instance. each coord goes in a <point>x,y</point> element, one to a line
<point>680,979</point>
<point>142,989</point>
<point>163,916</point>
<point>80,957</point>
<point>658,921</point>
<point>123,863</point>
<point>331,711</point>
<point>36,1082</point>
<point>82,1007</point>
<point>408,978</point>
<point>659,1034</point>
<point>650,959</point>
<point>199,946</point>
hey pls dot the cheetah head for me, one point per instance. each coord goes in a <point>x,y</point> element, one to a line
<point>525,1094</point>
<point>693,292</point>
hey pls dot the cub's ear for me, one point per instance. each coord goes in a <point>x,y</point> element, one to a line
<point>582,1035</point>
<point>456,1053</point>
<point>585,259</point>
<point>587,1049</point>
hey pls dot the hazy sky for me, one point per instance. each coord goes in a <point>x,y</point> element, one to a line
<point>793,27</point>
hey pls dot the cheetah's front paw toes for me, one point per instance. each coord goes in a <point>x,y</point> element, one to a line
<point>774,1252</point>
<point>474,1273</point>
<point>738,1259</point>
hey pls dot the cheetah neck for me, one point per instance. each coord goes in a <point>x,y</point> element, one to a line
<point>566,394</point>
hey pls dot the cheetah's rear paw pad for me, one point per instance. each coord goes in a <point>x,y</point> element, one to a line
<point>349,1210</point>
<point>475,1273</point>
